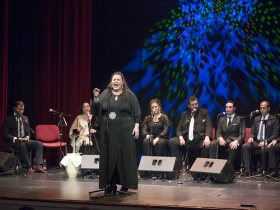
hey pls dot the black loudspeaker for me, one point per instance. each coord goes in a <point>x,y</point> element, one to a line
<point>8,162</point>
<point>221,170</point>
<point>157,164</point>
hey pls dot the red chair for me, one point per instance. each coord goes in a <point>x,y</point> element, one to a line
<point>49,135</point>
<point>248,131</point>
<point>213,134</point>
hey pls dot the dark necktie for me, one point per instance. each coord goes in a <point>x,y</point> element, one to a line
<point>229,121</point>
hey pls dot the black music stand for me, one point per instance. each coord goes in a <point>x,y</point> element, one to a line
<point>62,122</point>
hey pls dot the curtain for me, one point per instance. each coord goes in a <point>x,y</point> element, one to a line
<point>49,58</point>
<point>3,63</point>
<point>62,59</point>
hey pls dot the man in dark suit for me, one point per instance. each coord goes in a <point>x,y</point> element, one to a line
<point>17,134</point>
<point>230,133</point>
<point>193,131</point>
<point>273,152</point>
<point>264,130</point>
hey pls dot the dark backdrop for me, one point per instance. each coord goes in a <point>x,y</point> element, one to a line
<point>53,53</point>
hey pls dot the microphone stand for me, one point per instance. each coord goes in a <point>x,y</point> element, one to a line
<point>186,155</point>
<point>218,119</point>
<point>242,141</point>
<point>62,122</point>
<point>14,167</point>
<point>276,116</point>
<point>93,135</point>
<point>250,151</point>
<point>150,145</point>
<point>87,149</point>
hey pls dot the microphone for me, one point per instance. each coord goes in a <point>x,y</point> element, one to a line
<point>109,89</point>
<point>223,113</point>
<point>32,130</point>
<point>26,124</point>
<point>193,112</point>
<point>88,114</point>
<point>254,112</point>
<point>53,111</point>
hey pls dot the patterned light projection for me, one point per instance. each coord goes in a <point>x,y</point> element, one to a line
<point>217,50</point>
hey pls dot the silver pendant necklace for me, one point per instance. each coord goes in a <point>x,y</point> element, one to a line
<point>116,98</point>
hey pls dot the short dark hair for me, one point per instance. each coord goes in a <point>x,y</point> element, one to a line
<point>192,98</point>
<point>232,102</point>
<point>18,103</point>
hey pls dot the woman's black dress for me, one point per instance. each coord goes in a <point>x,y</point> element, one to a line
<point>117,146</point>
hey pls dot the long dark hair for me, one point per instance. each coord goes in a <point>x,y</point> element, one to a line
<point>80,111</point>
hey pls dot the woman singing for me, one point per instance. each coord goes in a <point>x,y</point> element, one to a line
<point>119,119</point>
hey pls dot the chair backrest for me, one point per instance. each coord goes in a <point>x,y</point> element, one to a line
<point>213,133</point>
<point>248,131</point>
<point>47,133</point>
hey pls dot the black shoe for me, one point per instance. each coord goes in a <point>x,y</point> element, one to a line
<point>247,171</point>
<point>274,174</point>
<point>124,189</point>
<point>110,190</point>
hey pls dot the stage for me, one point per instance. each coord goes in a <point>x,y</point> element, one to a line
<point>54,190</point>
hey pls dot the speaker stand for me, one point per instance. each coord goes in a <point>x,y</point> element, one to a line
<point>274,178</point>
<point>105,189</point>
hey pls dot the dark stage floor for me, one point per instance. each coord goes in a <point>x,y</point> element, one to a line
<point>54,190</point>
